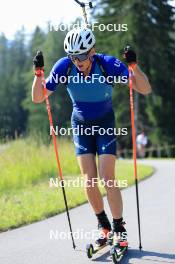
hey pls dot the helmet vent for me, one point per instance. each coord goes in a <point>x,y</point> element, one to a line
<point>82,47</point>
<point>90,41</point>
<point>72,41</point>
<point>80,38</point>
<point>75,38</point>
<point>88,35</point>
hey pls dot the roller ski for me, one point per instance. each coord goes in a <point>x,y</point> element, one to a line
<point>120,243</point>
<point>118,250</point>
<point>104,240</point>
<point>105,236</point>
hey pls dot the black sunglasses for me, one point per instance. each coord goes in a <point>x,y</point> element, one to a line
<point>80,57</point>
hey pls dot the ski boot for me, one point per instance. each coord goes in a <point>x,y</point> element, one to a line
<point>104,227</point>
<point>120,243</point>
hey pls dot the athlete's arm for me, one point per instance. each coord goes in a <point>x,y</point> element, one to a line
<point>140,81</point>
<point>37,90</point>
<point>37,87</point>
<point>59,69</point>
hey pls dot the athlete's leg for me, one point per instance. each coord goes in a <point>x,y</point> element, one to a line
<point>106,168</point>
<point>85,151</point>
<point>88,169</point>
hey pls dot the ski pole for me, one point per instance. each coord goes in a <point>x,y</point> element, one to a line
<point>83,6</point>
<point>134,152</point>
<point>57,156</point>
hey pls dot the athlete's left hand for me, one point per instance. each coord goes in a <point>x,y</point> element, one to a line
<point>129,55</point>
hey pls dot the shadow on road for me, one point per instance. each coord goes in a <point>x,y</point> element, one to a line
<point>137,256</point>
<point>103,258</point>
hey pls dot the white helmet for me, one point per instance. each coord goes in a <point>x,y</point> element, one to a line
<point>78,41</point>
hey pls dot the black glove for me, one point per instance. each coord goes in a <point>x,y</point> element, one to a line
<point>38,61</point>
<point>129,55</point>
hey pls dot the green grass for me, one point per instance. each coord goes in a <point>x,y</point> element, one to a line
<point>26,167</point>
<point>27,162</point>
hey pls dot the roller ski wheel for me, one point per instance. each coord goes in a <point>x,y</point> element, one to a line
<point>90,250</point>
<point>99,244</point>
<point>118,251</point>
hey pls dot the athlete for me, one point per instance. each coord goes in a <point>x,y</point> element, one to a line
<point>91,96</point>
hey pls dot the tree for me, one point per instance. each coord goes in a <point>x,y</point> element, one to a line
<point>13,116</point>
<point>150,27</point>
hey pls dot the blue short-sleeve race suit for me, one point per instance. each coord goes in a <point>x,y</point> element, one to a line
<point>92,101</point>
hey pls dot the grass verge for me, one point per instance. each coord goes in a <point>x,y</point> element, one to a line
<point>25,195</point>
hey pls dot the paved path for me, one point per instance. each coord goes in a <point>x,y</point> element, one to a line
<point>32,244</point>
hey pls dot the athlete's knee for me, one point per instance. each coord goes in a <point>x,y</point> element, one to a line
<point>109,182</point>
<point>106,169</point>
<point>90,180</point>
<point>106,173</point>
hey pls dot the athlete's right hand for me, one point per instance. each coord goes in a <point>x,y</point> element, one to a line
<point>38,60</point>
<point>129,55</point>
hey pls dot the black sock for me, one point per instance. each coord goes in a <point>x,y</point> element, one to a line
<point>101,215</point>
<point>118,221</point>
<point>118,225</point>
<point>103,220</point>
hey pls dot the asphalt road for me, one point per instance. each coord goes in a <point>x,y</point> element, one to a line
<point>33,244</point>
